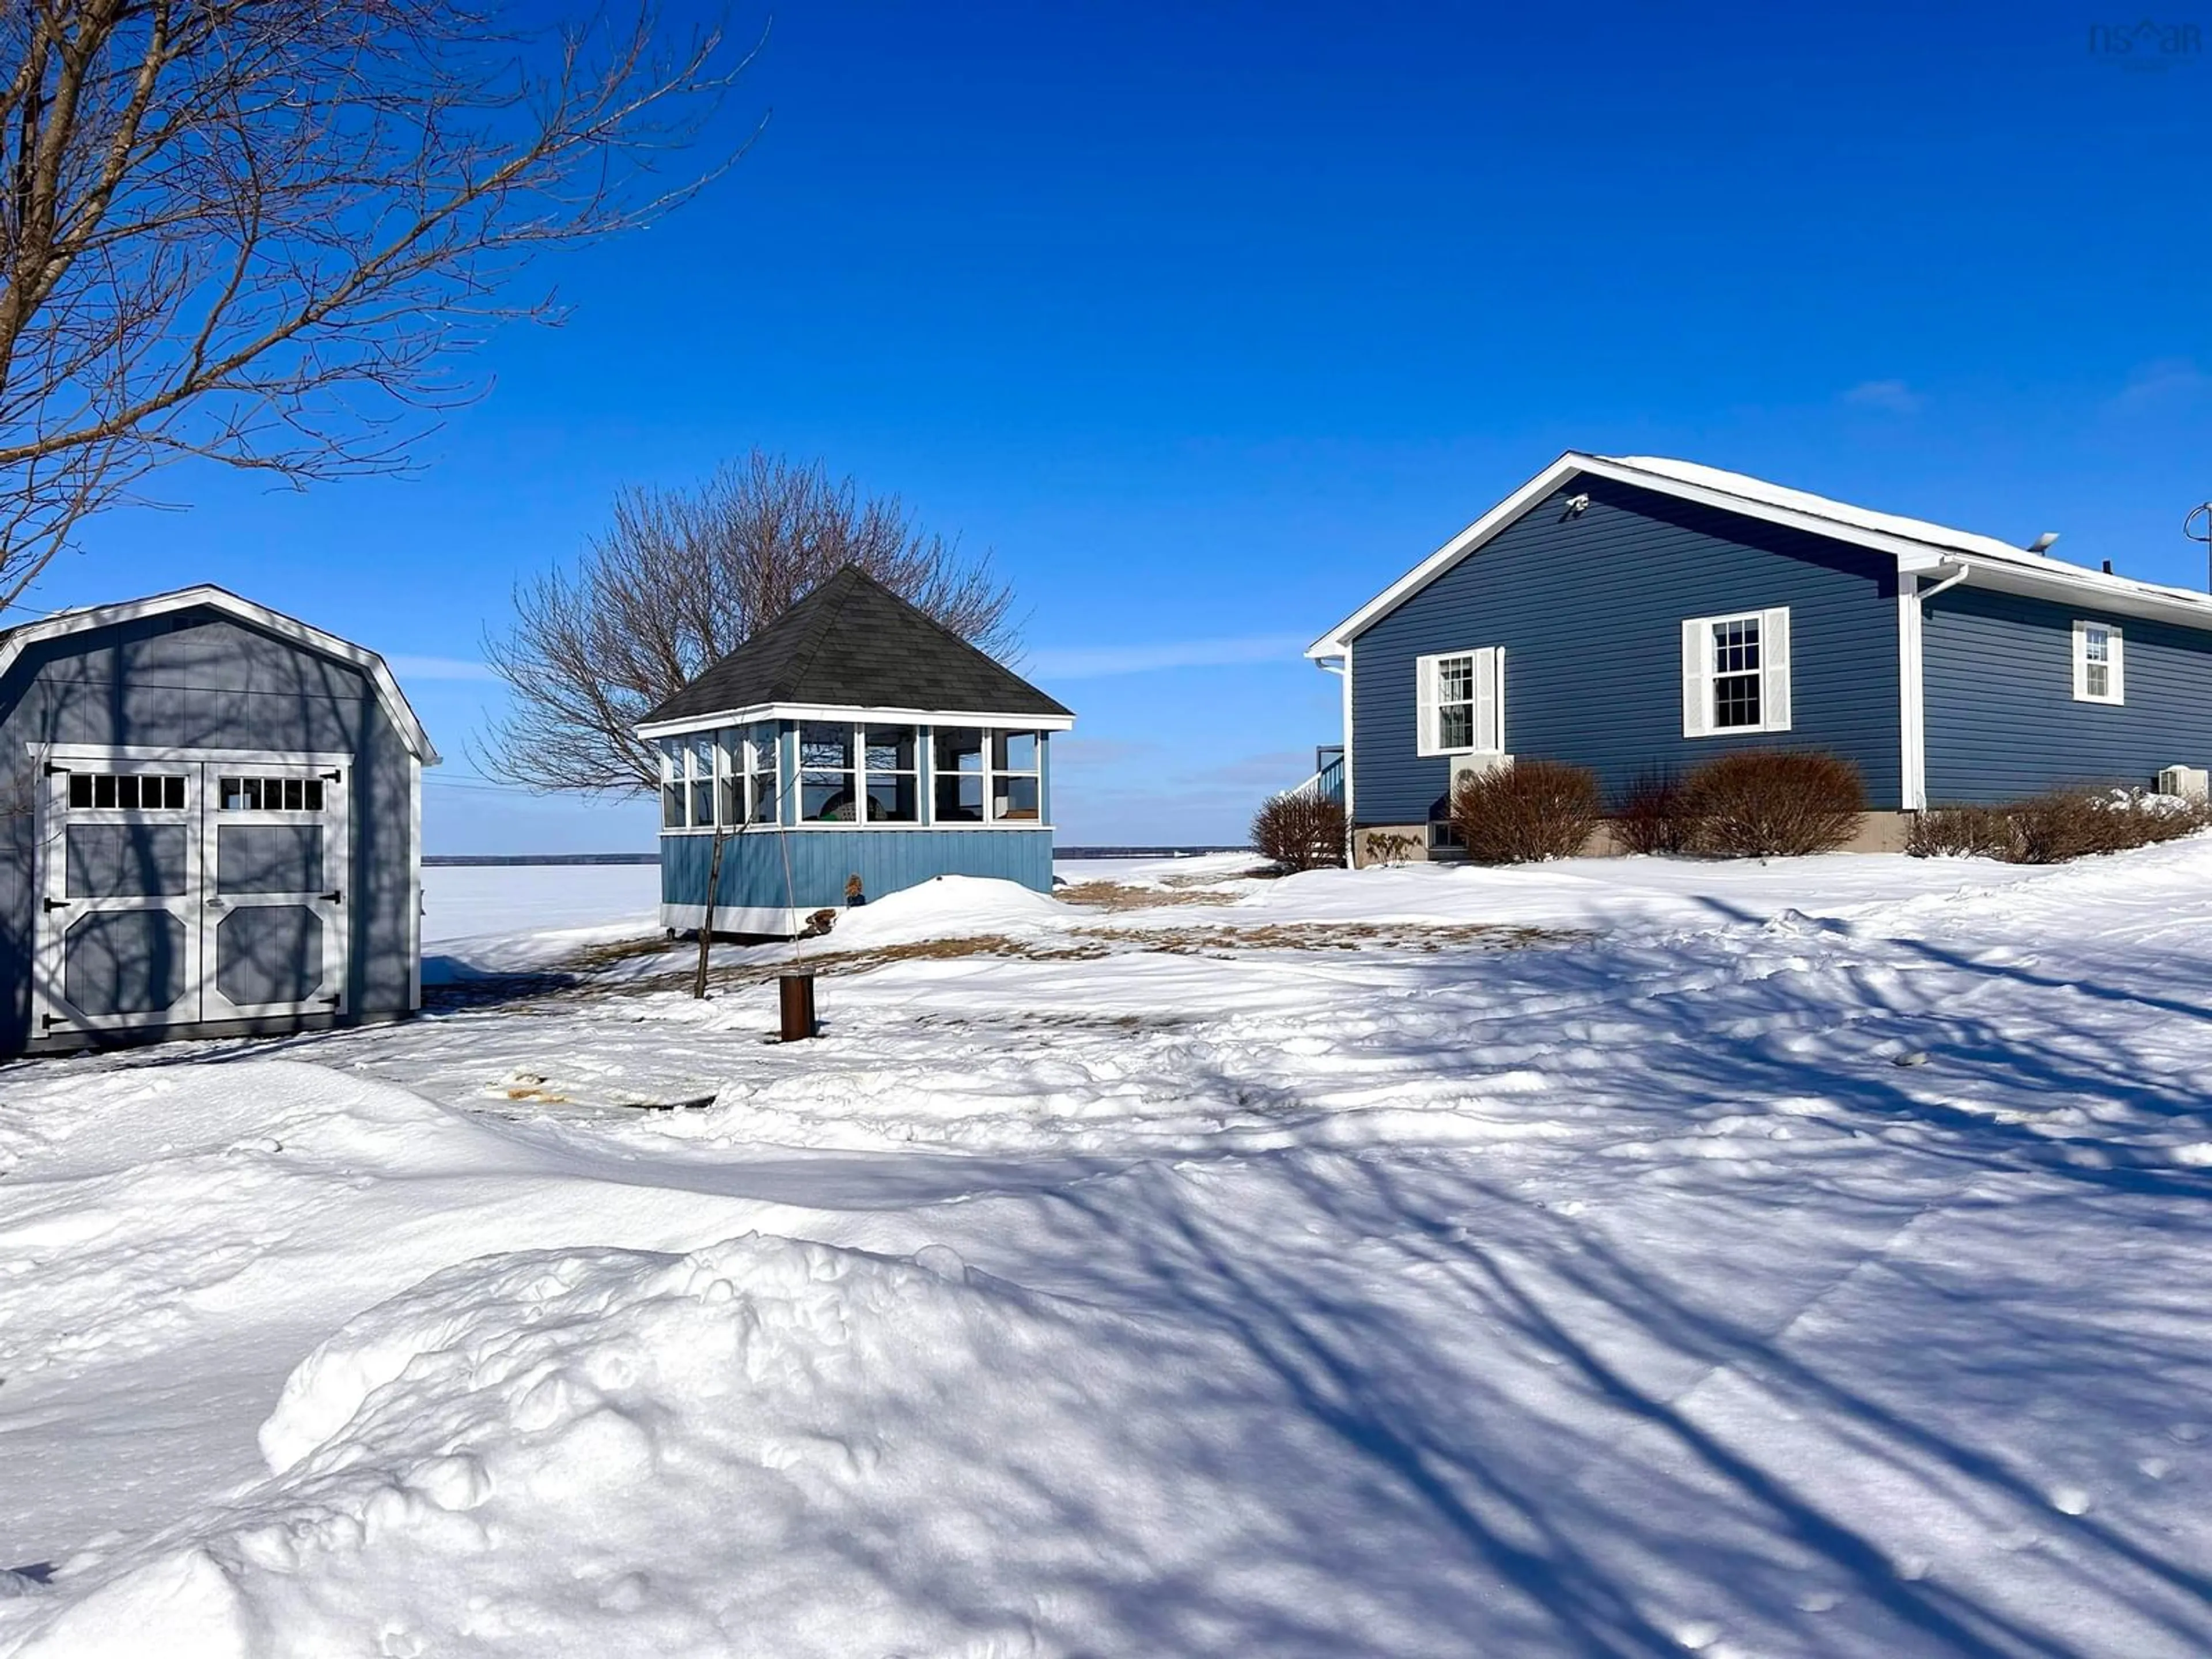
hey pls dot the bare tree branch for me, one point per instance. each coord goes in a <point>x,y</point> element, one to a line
<point>682,578</point>
<point>261,232</point>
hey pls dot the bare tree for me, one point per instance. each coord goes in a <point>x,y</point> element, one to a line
<point>259,231</point>
<point>684,577</point>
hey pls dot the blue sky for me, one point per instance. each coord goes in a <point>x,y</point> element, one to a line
<point>1210,319</point>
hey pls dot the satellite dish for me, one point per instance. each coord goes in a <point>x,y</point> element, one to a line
<point>2203,511</point>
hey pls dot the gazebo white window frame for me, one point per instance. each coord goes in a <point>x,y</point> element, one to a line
<point>748,765</point>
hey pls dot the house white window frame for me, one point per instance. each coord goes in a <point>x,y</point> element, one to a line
<point>1701,680</point>
<point>2114,662</point>
<point>1484,703</point>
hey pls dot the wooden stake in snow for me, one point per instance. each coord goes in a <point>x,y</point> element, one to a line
<point>707,925</point>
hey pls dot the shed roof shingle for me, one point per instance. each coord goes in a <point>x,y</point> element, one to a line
<point>853,643</point>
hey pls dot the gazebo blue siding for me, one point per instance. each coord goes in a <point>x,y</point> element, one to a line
<point>2003,720</point>
<point>823,857</point>
<point>1589,608</point>
<point>820,860</point>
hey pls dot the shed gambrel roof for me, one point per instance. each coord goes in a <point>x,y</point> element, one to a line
<point>224,603</point>
<point>1919,547</point>
<point>853,644</point>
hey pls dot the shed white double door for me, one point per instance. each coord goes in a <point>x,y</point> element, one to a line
<point>181,889</point>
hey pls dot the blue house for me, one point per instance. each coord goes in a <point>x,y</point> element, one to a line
<point>853,746</point>
<point>1634,614</point>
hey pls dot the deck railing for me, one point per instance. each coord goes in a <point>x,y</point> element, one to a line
<point>1327,782</point>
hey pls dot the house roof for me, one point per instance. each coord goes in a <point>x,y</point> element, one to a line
<point>853,644</point>
<point>15,641</point>
<point>1917,544</point>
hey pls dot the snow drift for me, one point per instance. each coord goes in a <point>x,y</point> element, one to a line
<point>763,1448</point>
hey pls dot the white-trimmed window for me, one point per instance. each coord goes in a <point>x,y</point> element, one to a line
<point>1017,790</point>
<point>761,749</point>
<point>700,753</point>
<point>747,762</point>
<point>1735,673</point>
<point>2100,668</point>
<point>894,791</point>
<point>1460,699</point>
<point>827,751</point>
<point>672,784</point>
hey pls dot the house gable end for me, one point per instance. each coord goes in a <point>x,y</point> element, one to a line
<point>1587,606</point>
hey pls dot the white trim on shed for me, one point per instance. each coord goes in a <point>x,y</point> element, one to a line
<point>222,599</point>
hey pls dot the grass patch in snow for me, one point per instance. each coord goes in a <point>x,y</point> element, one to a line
<point>1121,896</point>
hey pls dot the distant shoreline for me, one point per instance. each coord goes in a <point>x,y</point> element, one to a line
<point>451,861</point>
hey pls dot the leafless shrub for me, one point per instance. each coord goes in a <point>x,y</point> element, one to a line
<point>262,231</point>
<point>1773,803</point>
<point>682,578</point>
<point>2058,825</point>
<point>1649,815</point>
<point>1389,846</point>
<point>1960,832</point>
<point>1533,809</point>
<point>1300,832</point>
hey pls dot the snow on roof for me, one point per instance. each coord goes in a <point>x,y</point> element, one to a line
<point>1892,532</point>
<point>1841,512</point>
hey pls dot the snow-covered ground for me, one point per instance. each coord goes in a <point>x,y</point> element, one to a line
<point>508,919</point>
<point>1805,1258</point>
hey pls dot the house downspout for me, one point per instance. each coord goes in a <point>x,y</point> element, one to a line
<point>1951,580</point>
<point>1341,667</point>
<point>1912,693</point>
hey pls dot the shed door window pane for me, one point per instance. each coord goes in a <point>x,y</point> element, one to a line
<point>826,755</point>
<point>269,795</point>
<point>135,791</point>
<point>894,783</point>
<point>1736,673</point>
<point>959,765</point>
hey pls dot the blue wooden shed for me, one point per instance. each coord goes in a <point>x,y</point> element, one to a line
<point>854,746</point>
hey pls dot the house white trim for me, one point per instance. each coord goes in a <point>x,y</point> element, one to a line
<point>808,711</point>
<point>1917,548</point>
<point>1701,674</point>
<point>1484,701</point>
<point>1911,702</point>
<point>2114,663</point>
<point>222,599</point>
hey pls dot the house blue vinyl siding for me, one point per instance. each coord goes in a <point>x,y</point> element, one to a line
<point>2002,720</point>
<point>1590,608</point>
<point>821,860</point>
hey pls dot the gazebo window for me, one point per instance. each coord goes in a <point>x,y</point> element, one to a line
<point>761,751</point>
<point>826,772</point>
<point>894,784</point>
<point>1016,791</point>
<point>701,757</point>
<point>959,768</point>
<point>671,785</point>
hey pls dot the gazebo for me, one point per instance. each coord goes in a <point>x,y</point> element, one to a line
<point>852,747</point>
